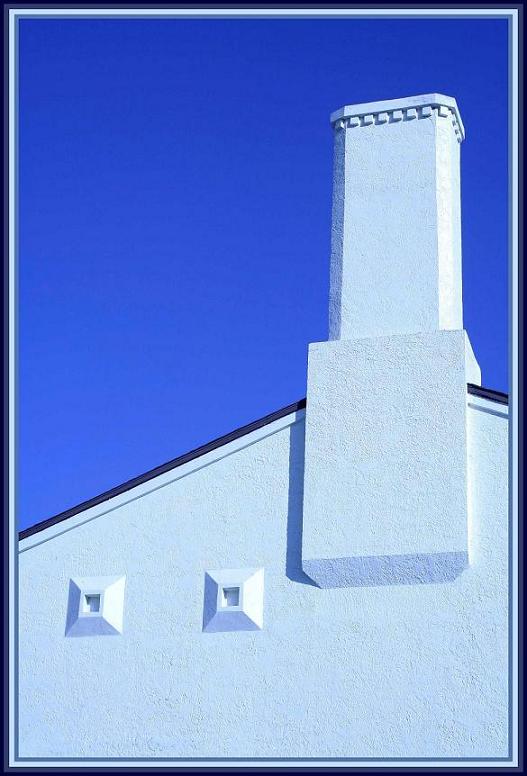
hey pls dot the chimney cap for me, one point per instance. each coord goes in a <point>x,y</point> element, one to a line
<point>386,106</point>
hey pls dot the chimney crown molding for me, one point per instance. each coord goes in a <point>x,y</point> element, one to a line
<point>403,109</point>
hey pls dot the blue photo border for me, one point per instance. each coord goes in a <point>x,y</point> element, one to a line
<point>13,13</point>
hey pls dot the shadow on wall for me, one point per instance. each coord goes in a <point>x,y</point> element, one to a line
<point>293,563</point>
<point>375,570</point>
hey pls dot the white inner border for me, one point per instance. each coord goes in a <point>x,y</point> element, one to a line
<point>505,13</point>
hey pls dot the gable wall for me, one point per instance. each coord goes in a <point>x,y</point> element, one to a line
<point>388,671</point>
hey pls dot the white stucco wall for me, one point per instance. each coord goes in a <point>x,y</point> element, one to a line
<point>410,670</point>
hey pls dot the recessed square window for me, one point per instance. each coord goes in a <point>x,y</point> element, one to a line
<point>92,603</point>
<point>230,596</point>
<point>233,600</point>
<point>95,606</point>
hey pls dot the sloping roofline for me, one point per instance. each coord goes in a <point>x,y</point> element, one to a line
<point>475,390</point>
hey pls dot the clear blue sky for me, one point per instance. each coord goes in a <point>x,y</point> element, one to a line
<point>175,202</point>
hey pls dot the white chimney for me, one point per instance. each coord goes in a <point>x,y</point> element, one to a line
<point>386,481</point>
<point>396,238</point>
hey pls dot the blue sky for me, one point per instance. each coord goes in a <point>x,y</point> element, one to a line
<point>174,223</point>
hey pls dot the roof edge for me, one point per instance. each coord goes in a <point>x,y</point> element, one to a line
<point>488,393</point>
<point>162,469</point>
<point>475,390</point>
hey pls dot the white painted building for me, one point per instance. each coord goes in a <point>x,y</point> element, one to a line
<point>329,582</point>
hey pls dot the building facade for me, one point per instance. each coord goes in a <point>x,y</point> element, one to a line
<point>332,580</point>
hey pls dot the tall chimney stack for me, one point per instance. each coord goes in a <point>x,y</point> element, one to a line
<point>386,478</point>
<point>396,237</point>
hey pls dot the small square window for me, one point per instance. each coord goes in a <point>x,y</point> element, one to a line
<point>92,603</point>
<point>233,600</point>
<point>95,606</point>
<point>230,597</point>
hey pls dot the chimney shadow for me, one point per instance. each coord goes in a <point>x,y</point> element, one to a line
<point>376,570</point>
<point>293,563</point>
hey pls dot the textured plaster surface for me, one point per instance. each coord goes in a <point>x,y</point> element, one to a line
<point>386,459</point>
<point>396,236</point>
<point>372,671</point>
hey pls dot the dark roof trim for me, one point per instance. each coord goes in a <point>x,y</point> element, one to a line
<point>487,393</point>
<point>165,467</point>
<point>475,390</point>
